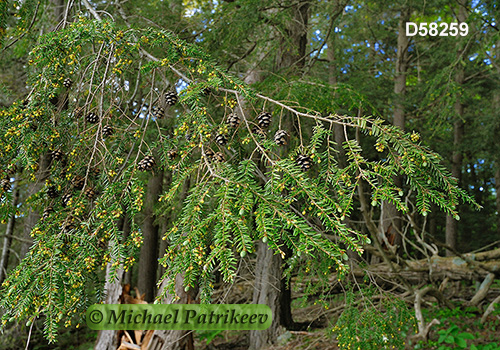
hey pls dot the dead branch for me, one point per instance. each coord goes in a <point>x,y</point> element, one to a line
<point>423,329</point>
<point>483,290</point>
<point>490,309</point>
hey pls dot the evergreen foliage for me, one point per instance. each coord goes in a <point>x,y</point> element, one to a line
<point>250,189</point>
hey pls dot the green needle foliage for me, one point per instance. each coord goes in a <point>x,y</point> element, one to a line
<point>249,189</point>
<point>364,325</point>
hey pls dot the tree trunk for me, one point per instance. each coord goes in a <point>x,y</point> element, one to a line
<point>107,340</point>
<point>292,51</point>
<point>270,288</point>
<point>9,232</point>
<point>33,216</point>
<point>174,339</point>
<point>497,189</point>
<point>391,223</point>
<point>266,291</point>
<point>458,132</point>
<point>148,260</point>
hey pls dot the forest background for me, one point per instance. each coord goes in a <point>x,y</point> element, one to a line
<point>304,154</point>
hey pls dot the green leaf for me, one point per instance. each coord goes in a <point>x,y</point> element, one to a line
<point>466,335</point>
<point>461,342</point>
<point>450,339</point>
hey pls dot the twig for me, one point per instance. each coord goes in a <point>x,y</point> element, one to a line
<point>91,10</point>
<point>29,335</point>
<point>27,30</point>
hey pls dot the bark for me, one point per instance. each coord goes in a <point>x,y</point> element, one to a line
<point>270,288</point>
<point>401,71</point>
<point>9,232</point>
<point>423,329</point>
<point>174,339</point>
<point>292,51</point>
<point>496,107</point>
<point>338,129</point>
<point>58,8</point>
<point>266,291</point>
<point>107,340</point>
<point>497,191</point>
<point>148,259</point>
<point>391,223</point>
<point>458,132</point>
<point>33,216</point>
<point>483,290</point>
<point>490,309</point>
<point>471,266</point>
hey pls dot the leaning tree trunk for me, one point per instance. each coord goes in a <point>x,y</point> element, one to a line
<point>458,132</point>
<point>148,259</point>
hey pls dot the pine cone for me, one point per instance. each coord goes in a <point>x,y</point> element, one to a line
<point>78,182</point>
<point>95,172</point>
<point>56,155</point>
<point>78,112</point>
<point>65,199</point>
<point>209,154</point>
<point>258,131</point>
<point>107,130</point>
<point>280,137</point>
<point>264,119</point>
<point>158,112</point>
<point>67,83</point>
<point>304,161</point>
<point>52,192</point>
<point>221,139</point>
<point>5,184</point>
<point>46,212</point>
<point>233,120</point>
<point>90,193</point>
<point>146,163</point>
<point>171,98</point>
<point>92,118</point>
<point>172,154</point>
<point>68,227</point>
<point>12,169</point>
<point>218,157</point>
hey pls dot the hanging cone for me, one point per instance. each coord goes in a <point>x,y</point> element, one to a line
<point>304,161</point>
<point>280,137</point>
<point>264,119</point>
<point>171,98</point>
<point>146,163</point>
<point>233,120</point>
